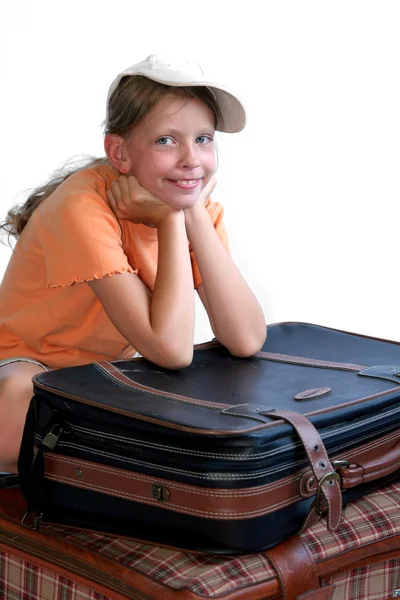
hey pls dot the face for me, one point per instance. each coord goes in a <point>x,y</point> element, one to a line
<point>172,152</point>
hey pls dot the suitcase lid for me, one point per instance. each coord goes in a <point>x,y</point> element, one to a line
<point>328,375</point>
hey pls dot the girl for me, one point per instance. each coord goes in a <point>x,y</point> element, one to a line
<point>107,256</point>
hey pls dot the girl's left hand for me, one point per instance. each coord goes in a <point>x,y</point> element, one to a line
<point>207,190</point>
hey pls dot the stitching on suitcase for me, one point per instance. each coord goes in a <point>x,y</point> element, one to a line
<point>180,508</point>
<point>159,393</point>
<point>234,456</point>
<point>382,376</point>
<point>210,476</point>
<point>176,486</point>
<point>229,477</point>
<point>308,362</point>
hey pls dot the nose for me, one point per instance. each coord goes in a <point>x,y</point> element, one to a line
<point>189,157</point>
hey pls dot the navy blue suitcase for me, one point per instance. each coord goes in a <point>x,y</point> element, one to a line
<point>228,455</point>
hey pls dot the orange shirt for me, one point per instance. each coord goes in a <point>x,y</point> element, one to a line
<point>47,311</point>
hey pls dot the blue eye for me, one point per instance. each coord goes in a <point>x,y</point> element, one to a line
<point>204,139</point>
<point>164,141</point>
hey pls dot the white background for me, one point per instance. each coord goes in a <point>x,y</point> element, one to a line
<point>311,187</point>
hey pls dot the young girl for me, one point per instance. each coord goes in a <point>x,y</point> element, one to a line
<point>107,257</point>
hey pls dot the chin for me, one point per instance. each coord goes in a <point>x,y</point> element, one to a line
<point>181,202</point>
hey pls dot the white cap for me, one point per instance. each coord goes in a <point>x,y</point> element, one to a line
<point>183,74</point>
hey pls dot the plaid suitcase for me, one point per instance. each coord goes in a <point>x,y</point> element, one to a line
<point>229,455</point>
<point>360,561</point>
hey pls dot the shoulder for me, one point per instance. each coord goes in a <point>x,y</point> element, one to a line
<point>81,194</point>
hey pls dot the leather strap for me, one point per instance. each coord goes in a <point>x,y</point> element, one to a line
<point>295,567</point>
<point>327,480</point>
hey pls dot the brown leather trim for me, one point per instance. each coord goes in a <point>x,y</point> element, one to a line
<point>209,432</point>
<point>117,375</point>
<point>207,503</point>
<point>308,362</point>
<point>211,503</point>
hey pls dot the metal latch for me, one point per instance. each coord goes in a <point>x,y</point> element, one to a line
<point>159,492</point>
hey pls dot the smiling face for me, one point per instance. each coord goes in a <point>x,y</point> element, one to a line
<point>171,152</point>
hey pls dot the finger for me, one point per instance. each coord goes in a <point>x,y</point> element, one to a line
<point>115,191</point>
<point>111,202</point>
<point>133,186</point>
<point>124,189</point>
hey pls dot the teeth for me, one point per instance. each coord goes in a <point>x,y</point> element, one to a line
<point>186,181</point>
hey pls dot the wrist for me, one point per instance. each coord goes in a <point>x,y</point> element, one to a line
<point>171,218</point>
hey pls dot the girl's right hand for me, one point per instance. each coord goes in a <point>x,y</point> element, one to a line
<point>130,201</point>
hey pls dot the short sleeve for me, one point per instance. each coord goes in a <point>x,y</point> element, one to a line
<point>81,240</point>
<point>216,212</point>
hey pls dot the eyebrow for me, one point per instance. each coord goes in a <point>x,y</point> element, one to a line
<point>174,131</point>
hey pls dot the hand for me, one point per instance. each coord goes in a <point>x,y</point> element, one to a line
<point>207,190</point>
<point>130,201</point>
<point>199,207</point>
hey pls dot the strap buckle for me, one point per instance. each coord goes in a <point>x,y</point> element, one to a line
<point>330,477</point>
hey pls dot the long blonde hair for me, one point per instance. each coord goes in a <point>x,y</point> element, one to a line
<point>131,102</point>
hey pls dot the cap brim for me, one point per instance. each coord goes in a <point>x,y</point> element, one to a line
<point>233,114</point>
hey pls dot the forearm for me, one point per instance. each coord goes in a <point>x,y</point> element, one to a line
<point>172,303</point>
<point>235,314</point>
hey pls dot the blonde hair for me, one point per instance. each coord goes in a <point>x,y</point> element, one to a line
<point>130,103</point>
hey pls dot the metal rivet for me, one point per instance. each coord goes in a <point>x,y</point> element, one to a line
<point>396,594</point>
<point>312,480</point>
<point>79,472</point>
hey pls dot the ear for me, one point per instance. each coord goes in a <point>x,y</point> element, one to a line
<point>114,145</point>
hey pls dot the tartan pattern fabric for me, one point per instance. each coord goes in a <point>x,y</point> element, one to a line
<point>366,520</point>
<point>207,575</point>
<point>23,580</point>
<point>374,582</point>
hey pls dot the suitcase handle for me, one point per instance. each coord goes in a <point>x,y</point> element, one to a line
<point>356,474</point>
<point>378,462</point>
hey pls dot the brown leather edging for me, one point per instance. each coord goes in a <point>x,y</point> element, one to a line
<point>209,432</point>
<point>308,362</point>
<point>212,503</point>
<point>111,371</point>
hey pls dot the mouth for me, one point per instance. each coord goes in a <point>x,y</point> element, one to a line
<point>185,183</point>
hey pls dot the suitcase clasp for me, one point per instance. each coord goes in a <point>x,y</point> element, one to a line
<point>159,492</point>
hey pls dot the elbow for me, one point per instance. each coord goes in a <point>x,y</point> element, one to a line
<point>174,359</point>
<point>181,362</point>
<point>248,346</point>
